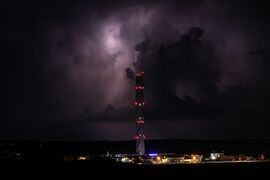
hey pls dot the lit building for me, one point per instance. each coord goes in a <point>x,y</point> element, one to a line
<point>216,156</point>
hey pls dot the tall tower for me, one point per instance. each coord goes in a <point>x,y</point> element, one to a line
<point>139,105</point>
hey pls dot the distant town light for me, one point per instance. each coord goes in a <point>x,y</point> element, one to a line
<point>82,158</point>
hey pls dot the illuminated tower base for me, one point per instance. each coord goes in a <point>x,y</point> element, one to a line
<point>139,104</point>
<point>140,149</point>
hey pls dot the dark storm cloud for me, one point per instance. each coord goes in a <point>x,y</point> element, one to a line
<point>189,62</point>
<point>67,62</point>
<point>183,78</point>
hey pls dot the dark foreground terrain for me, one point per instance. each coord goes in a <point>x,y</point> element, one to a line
<point>45,160</point>
<point>112,170</point>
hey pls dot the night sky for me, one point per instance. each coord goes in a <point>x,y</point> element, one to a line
<point>68,69</point>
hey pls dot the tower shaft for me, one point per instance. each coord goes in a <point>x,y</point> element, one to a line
<point>139,105</point>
